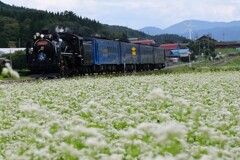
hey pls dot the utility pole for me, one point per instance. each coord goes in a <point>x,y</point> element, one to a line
<point>19,42</point>
<point>208,47</point>
<point>199,48</point>
<point>189,59</point>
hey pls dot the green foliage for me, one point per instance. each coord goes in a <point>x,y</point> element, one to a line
<point>116,32</point>
<point>124,38</point>
<point>9,30</point>
<point>133,150</point>
<point>203,46</point>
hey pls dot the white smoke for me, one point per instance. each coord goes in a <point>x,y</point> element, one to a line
<point>61,29</point>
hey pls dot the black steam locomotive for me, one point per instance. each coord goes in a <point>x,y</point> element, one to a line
<point>68,54</point>
<point>55,53</point>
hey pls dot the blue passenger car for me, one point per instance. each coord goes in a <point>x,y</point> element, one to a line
<point>106,52</point>
<point>101,55</point>
<point>146,54</point>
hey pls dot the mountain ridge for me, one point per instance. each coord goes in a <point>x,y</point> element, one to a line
<point>227,31</point>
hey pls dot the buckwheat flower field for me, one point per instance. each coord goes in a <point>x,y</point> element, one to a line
<point>168,116</point>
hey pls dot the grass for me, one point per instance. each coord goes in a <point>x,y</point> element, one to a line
<point>233,62</point>
<point>227,51</point>
<point>204,66</point>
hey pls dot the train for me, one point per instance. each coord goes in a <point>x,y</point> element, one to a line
<point>70,54</point>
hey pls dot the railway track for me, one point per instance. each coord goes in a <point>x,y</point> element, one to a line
<point>36,77</point>
<point>31,78</point>
<point>17,81</point>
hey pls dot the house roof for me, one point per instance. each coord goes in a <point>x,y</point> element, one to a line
<point>178,52</point>
<point>170,46</point>
<point>206,37</point>
<point>145,42</point>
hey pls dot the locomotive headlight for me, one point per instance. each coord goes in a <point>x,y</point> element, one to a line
<point>41,56</point>
<point>42,35</point>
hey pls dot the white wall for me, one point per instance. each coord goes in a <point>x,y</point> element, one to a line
<point>10,50</point>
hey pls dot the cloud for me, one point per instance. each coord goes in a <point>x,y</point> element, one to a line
<point>140,13</point>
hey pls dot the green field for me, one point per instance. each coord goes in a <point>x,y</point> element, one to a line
<point>157,116</point>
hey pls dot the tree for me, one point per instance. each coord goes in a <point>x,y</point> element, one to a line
<point>86,31</point>
<point>10,30</point>
<point>204,46</point>
<point>124,38</point>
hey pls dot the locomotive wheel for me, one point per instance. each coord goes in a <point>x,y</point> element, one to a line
<point>63,68</point>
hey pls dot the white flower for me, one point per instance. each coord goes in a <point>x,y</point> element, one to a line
<point>5,72</point>
<point>9,71</point>
<point>96,142</point>
<point>32,109</point>
<point>115,118</point>
<point>165,130</point>
<point>156,94</point>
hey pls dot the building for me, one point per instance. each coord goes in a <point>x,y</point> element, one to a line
<point>149,42</point>
<point>169,47</point>
<point>206,37</point>
<point>175,51</point>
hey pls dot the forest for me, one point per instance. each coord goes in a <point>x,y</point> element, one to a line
<point>19,24</point>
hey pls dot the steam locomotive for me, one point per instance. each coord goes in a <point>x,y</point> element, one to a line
<point>67,54</point>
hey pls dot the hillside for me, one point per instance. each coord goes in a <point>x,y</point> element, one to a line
<point>226,31</point>
<point>18,24</point>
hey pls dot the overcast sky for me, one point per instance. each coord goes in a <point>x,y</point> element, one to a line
<point>137,14</point>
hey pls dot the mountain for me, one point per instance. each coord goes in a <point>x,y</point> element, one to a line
<point>152,30</point>
<point>227,31</point>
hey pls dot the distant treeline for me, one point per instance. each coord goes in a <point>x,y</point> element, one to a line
<point>18,24</point>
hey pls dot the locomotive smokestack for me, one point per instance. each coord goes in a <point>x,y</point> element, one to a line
<point>45,31</point>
